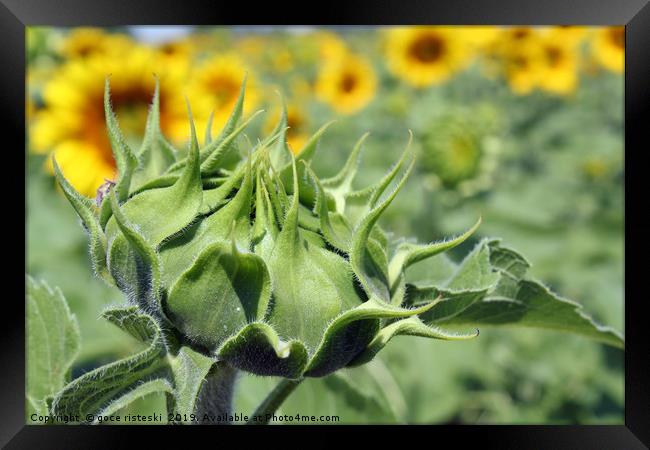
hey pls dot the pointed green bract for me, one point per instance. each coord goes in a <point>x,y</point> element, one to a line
<point>311,286</point>
<point>160,213</point>
<point>222,282</point>
<point>338,237</point>
<point>356,326</point>
<point>125,159</point>
<point>408,254</point>
<point>131,245</point>
<point>213,161</point>
<point>340,185</point>
<point>85,209</point>
<point>208,129</point>
<point>258,349</point>
<point>412,326</point>
<point>304,156</point>
<point>367,257</point>
<point>155,155</point>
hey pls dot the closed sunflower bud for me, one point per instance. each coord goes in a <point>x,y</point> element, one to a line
<point>259,265</point>
<point>460,149</point>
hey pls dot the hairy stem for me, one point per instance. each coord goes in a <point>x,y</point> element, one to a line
<point>272,402</point>
<point>216,394</point>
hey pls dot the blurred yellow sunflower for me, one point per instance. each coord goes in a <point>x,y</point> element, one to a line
<point>299,87</point>
<point>521,57</point>
<point>86,41</point>
<point>573,33</point>
<point>252,46</point>
<point>298,123</point>
<point>72,124</point>
<point>213,88</point>
<point>347,84</point>
<point>282,60</point>
<point>559,72</point>
<point>423,56</point>
<point>608,48</point>
<point>176,52</point>
<point>331,46</point>
<point>479,36</point>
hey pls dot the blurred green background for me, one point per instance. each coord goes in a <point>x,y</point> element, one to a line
<point>522,126</point>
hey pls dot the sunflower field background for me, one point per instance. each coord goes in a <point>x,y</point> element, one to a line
<point>522,126</point>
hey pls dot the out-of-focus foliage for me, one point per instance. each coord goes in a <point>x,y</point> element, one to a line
<point>523,126</point>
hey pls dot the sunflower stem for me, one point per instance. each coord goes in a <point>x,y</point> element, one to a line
<point>217,391</point>
<point>264,412</point>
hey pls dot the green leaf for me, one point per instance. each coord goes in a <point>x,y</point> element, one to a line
<point>53,342</point>
<point>534,305</point>
<point>212,146</point>
<point>514,300</point>
<point>470,283</point>
<point>157,385</point>
<point>208,129</point>
<point>98,389</point>
<point>279,153</point>
<point>265,220</point>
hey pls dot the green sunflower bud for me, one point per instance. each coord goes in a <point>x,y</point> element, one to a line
<point>260,265</point>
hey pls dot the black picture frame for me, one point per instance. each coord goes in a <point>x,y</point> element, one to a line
<point>15,15</point>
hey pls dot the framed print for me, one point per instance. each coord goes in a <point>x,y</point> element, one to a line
<point>395,214</point>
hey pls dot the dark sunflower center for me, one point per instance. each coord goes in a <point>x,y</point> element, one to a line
<point>348,83</point>
<point>520,33</point>
<point>553,56</point>
<point>130,106</point>
<point>224,89</point>
<point>85,50</point>
<point>617,36</point>
<point>520,62</point>
<point>427,48</point>
<point>168,49</point>
<point>294,122</point>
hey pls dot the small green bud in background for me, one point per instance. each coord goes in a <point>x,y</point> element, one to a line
<point>460,149</point>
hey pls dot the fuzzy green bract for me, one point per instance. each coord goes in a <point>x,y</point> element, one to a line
<point>262,267</point>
